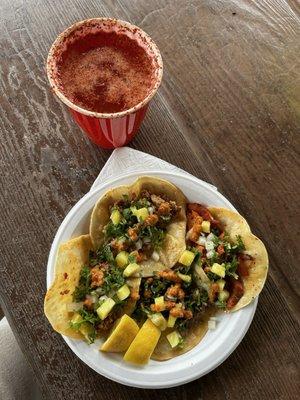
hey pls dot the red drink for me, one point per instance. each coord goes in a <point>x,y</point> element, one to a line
<point>106,71</point>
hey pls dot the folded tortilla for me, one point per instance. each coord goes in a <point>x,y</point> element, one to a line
<point>174,243</point>
<point>234,224</point>
<point>71,257</point>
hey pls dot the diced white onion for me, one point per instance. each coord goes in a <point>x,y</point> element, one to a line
<point>99,290</point>
<point>201,241</point>
<point>212,324</point>
<point>138,244</point>
<point>155,256</point>
<point>210,254</point>
<point>104,297</point>
<point>211,237</point>
<point>151,210</point>
<point>146,240</point>
<point>74,306</point>
<point>209,245</point>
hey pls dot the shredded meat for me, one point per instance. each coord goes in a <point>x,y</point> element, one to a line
<point>205,214</point>
<point>169,305</point>
<point>157,307</point>
<point>132,233</point>
<point>181,313</point>
<point>97,276</point>
<point>220,249</point>
<point>193,218</point>
<point>151,220</point>
<point>118,245</point>
<point>157,200</point>
<point>200,248</point>
<point>194,222</point>
<point>177,312</point>
<point>236,292</point>
<point>164,208</point>
<point>244,264</point>
<point>138,255</point>
<point>169,275</point>
<point>175,291</point>
<point>214,290</point>
<point>88,303</point>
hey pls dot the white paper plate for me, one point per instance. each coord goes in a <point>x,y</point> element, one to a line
<point>216,345</point>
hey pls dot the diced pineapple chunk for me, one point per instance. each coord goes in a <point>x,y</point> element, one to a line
<point>122,259</point>
<point>131,269</point>
<point>122,335</point>
<point>205,226</point>
<point>174,339</point>
<point>105,308</point>
<point>141,213</point>
<point>186,258</point>
<point>221,284</point>
<point>218,269</point>
<point>159,320</point>
<point>123,292</point>
<point>185,278</point>
<point>223,295</point>
<point>171,321</point>
<point>143,344</point>
<point>160,302</point>
<point>115,217</point>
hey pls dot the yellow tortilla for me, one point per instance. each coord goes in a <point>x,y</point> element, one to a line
<point>234,224</point>
<point>71,256</point>
<point>174,243</point>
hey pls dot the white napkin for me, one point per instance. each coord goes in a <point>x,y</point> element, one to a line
<point>126,160</point>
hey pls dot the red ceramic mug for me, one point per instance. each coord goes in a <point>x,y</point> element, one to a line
<point>108,130</point>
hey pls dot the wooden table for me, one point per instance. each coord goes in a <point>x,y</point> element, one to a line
<point>227,112</point>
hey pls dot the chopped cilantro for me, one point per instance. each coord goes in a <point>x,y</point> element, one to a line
<point>155,234</point>
<point>131,259</point>
<point>113,280</point>
<point>231,267</point>
<point>239,245</point>
<point>114,231</point>
<point>83,287</point>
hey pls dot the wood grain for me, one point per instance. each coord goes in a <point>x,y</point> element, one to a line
<point>228,112</point>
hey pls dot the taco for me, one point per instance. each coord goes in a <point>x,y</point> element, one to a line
<point>223,268</point>
<point>148,217</point>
